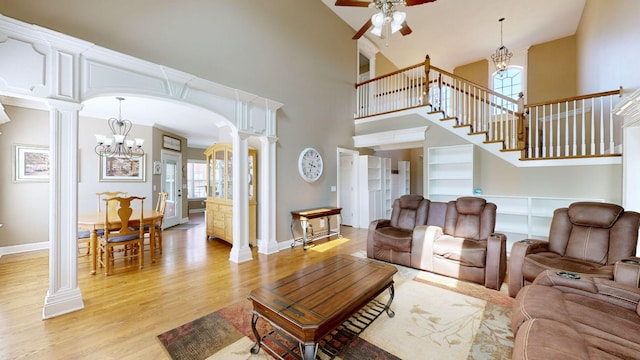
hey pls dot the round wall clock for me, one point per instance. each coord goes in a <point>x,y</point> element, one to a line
<point>310,164</point>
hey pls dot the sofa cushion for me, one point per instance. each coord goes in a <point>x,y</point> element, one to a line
<point>538,301</point>
<point>547,339</point>
<point>592,214</point>
<point>409,211</point>
<point>467,252</point>
<point>534,264</point>
<point>543,314</point>
<point>394,239</point>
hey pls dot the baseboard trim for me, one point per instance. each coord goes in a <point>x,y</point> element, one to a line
<point>16,249</point>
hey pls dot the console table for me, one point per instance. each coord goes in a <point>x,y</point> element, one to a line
<point>303,217</point>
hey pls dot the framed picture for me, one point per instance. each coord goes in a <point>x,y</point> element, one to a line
<point>157,167</point>
<point>31,163</point>
<point>171,143</point>
<point>120,168</point>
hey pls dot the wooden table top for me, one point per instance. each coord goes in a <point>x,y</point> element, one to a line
<point>316,213</point>
<point>316,299</point>
<point>97,219</point>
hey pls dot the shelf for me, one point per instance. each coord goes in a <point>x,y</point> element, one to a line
<point>451,171</point>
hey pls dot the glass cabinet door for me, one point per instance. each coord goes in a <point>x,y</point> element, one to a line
<point>210,173</point>
<point>219,174</point>
<point>229,191</point>
<point>251,174</point>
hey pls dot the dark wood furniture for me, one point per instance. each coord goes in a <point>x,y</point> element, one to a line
<point>313,301</point>
<point>303,217</point>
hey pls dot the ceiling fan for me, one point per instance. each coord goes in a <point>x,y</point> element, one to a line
<point>386,15</point>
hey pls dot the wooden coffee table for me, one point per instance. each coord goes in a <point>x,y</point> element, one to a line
<point>315,300</point>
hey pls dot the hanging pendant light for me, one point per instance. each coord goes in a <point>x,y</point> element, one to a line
<point>502,55</point>
<point>119,145</point>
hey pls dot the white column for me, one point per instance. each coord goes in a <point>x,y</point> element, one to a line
<point>64,294</point>
<point>267,242</point>
<point>240,252</point>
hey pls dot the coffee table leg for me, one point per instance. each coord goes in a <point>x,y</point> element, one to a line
<point>387,307</point>
<point>310,351</point>
<point>256,347</point>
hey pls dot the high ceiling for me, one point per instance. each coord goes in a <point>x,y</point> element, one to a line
<point>452,32</point>
<point>458,32</point>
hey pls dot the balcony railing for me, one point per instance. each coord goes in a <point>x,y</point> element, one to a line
<point>582,126</point>
<point>574,127</point>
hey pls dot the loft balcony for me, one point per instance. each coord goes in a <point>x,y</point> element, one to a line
<point>391,110</point>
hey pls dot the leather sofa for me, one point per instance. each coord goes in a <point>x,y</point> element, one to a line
<point>454,239</point>
<point>564,315</point>
<point>585,238</point>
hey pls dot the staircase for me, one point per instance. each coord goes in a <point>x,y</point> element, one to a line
<point>582,130</point>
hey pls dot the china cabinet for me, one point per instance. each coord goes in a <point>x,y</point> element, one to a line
<point>219,204</point>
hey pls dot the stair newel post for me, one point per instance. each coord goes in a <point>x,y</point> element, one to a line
<point>425,93</point>
<point>521,126</point>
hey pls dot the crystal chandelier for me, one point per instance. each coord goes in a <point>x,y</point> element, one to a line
<point>119,145</point>
<point>502,54</point>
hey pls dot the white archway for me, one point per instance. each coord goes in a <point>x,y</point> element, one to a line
<point>63,72</point>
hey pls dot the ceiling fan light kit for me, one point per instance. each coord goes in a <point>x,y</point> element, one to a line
<point>387,15</point>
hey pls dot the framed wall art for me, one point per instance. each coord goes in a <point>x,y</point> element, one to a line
<point>171,143</point>
<point>157,167</point>
<point>31,163</point>
<point>121,168</point>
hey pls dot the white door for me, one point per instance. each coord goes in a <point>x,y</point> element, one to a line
<point>172,184</point>
<point>347,191</point>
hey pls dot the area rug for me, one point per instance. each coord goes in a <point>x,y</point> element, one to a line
<point>432,321</point>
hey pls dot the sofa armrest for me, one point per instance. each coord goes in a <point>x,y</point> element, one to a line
<point>422,246</point>
<point>604,289</point>
<point>373,226</point>
<point>627,271</point>
<point>519,250</point>
<point>496,263</point>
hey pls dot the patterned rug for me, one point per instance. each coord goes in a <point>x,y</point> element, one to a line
<point>435,318</point>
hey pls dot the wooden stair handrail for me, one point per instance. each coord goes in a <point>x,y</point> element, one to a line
<point>575,98</point>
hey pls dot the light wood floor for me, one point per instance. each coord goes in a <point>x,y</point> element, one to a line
<point>125,312</point>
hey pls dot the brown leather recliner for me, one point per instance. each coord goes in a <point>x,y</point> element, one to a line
<point>562,315</point>
<point>390,240</point>
<point>466,247</point>
<point>585,238</point>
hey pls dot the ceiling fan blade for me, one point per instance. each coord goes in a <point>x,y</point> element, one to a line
<point>417,2</point>
<point>405,29</point>
<point>353,3</point>
<point>363,30</point>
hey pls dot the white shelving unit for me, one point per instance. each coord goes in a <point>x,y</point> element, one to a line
<point>451,172</point>
<point>404,178</point>
<point>371,183</point>
<point>387,188</point>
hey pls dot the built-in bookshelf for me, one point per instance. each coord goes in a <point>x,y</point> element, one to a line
<point>451,172</point>
<point>370,187</point>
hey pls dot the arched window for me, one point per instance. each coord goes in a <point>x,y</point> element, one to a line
<point>509,83</point>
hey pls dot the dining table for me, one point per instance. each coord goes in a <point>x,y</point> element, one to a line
<point>94,221</point>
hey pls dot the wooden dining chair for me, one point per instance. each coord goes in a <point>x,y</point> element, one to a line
<point>160,206</point>
<point>84,236</point>
<point>126,239</point>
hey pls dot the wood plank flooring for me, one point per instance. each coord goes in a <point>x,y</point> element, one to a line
<point>125,312</point>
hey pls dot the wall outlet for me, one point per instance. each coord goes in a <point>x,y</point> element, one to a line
<point>333,188</point>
